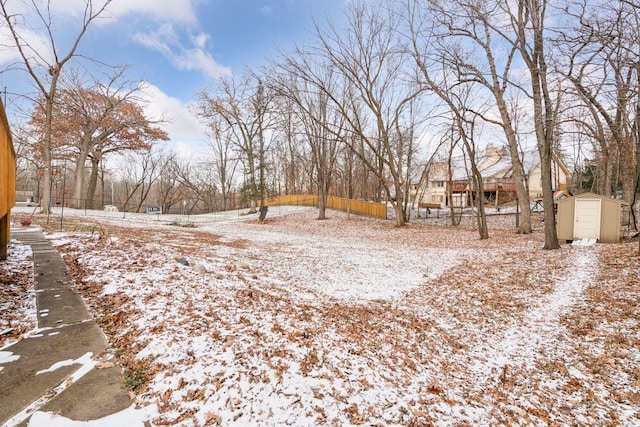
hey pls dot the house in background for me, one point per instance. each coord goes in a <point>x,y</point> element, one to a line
<point>495,167</point>
<point>560,174</point>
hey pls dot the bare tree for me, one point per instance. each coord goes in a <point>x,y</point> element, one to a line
<point>240,109</point>
<point>139,172</point>
<point>636,20</point>
<point>603,68</point>
<point>464,38</point>
<point>465,125</point>
<point>458,99</point>
<point>45,67</point>
<point>528,21</point>
<point>455,221</point>
<point>204,184</point>
<point>222,142</point>
<point>199,178</point>
<point>225,164</point>
<point>171,191</point>
<point>321,126</point>
<point>375,94</point>
<point>90,122</point>
<point>290,150</point>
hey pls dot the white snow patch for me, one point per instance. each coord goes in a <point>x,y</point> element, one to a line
<point>7,356</point>
<point>584,242</point>
<point>130,417</point>
<point>522,341</point>
<point>84,360</point>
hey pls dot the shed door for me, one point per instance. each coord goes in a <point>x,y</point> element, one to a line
<point>587,218</point>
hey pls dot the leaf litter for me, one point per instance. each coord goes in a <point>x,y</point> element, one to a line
<point>356,322</point>
<point>17,301</point>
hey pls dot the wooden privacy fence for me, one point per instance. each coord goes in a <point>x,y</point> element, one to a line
<point>293,200</point>
<point>7,181</point>
<point>360,207</point>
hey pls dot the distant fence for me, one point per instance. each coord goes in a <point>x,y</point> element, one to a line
<point>293,200</point>
<point>360,207</point>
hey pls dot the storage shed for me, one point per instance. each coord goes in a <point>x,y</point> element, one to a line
<point>589,215</point>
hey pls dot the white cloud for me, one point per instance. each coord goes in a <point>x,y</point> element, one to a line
<point>37,45</point>
<point>190,151</point>
<point>265,10</point>
<point>184,57</point>
<point>186,132</point>
<point>200,40</point>
<point>175,20</point>
<point>182,11</point>
<point>160,40</point>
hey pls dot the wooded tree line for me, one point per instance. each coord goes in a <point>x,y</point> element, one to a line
<point>359,109</point>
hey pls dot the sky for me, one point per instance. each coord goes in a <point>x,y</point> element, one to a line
<point>177,47</point>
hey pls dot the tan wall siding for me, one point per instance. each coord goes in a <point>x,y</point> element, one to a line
<point>565,217</point>
<point>558,180</point>
<point>7,166</point>
<point>7,181</point>
<point>610,222</point>
<point>535,183</point>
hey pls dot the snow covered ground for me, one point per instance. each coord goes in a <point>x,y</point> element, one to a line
<point>356,322</point>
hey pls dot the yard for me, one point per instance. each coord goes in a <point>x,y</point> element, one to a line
<point>354,321</point>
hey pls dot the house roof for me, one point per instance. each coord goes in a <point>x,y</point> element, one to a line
<point>493,163</point>
<point>500,169</point>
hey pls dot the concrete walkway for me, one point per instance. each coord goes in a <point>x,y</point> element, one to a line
<point>67,334</point>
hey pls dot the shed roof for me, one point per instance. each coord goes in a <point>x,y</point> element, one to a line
<point>589,195</point>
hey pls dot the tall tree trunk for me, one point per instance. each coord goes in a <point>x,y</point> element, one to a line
<point>78,179</point>
<point>469,145</point>
<point>322,201</point>
<point>604,172</point>
<point>628,167</point>
<point>261,168</point>
<point>45,204</point>
<point>46,154</point>
<point>519,175</point>
<point>452,209</point>
<point>550,232</point>
<point>102,201</point>
<point>401,220</point>
<point>544,117</point>
<point>253,187</point>
<point>93,182</point>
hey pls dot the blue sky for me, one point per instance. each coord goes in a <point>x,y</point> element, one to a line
<point>180,46</point>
